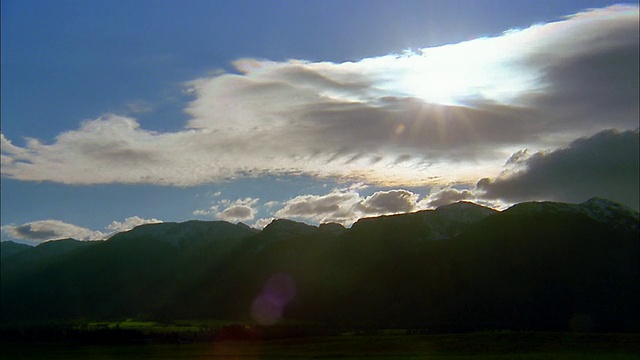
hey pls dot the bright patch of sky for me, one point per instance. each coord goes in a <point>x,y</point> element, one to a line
<point>119,113</point>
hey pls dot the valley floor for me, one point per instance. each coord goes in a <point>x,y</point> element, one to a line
<point>494,345</point>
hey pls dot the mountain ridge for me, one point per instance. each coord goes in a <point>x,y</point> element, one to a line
<point>534,266</point>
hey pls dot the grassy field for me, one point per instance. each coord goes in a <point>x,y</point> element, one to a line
<point>382,346</point>
<point>150,326</point>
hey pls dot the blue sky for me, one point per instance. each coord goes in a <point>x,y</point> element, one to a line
<point>116,113</point>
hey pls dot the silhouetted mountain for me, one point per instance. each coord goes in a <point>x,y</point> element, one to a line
<point>35,258</point>
<point>282,229</point>
<point>134,273</point>
<point>443,223</point>
<point>189,234</point>
<point>611,213</point>
<point>10,248</point>
<point>551,263</point>
<point>535,266</point>
<point>334,228</point>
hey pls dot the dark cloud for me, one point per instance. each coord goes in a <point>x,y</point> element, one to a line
<point>449,196</point>
<point>604,165</point>
<point>302,75</point>
<point>121,153</point>
<point>392,201</point>
<point>428,130</point>
<point>598,88</point>
<point>28,232</point>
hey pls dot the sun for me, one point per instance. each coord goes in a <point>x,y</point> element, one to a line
<point>456,74</point>
<point>438,79</point>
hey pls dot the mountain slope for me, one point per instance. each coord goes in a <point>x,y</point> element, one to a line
<point>188,234</point>
<point>132,274</point>
<point>536,266</point>
<point>540,265</point>
<point>10,248</point>
<point>34,259</point>
<point>443,223</point>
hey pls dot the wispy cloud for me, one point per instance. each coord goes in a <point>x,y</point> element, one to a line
<point>139,107</point>
<point>436,116</point>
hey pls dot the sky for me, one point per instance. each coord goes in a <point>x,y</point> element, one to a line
<point>119,113</point>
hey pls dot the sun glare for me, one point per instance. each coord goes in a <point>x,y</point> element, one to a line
<point>480,69</point>
<point>438,79</point>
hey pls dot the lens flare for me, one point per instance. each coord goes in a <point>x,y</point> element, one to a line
<point>268,307</point>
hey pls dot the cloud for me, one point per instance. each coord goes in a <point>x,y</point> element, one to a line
<point>261,223</point>
<point>237,213</point>
<point>232,211</point>
<point>44,230</point>
<point>129,223</point>
<point>345,206</point>
<point>337,206</point>
<point>271,204</point>
<point>606,165</point>
<point>392,201</point>
<point>450,195</point>
<point>435,116</point>
<point>240,210</point>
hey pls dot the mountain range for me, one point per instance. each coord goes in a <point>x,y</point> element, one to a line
<point>536,266</point>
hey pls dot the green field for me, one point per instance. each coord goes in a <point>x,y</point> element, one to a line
<point>152,326</point>
<point>383,346</point>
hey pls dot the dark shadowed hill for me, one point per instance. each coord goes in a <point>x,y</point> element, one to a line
<point>132,274</point>
<point>443,223</point>
<point>33,259</point>
<point>535,266</point>
<point>10,248</point>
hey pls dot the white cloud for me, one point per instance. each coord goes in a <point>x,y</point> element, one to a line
<point>129,223</point>
<point>236,213</point>
<point>261,223</point>
<point>436,116</point>
<point>232,211</point>
<point>44,230</point>
<point>239,210</point>
<point>345,206</point>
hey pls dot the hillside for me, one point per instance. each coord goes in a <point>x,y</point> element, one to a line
<point>536,266</point>
<point>10,248</point>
